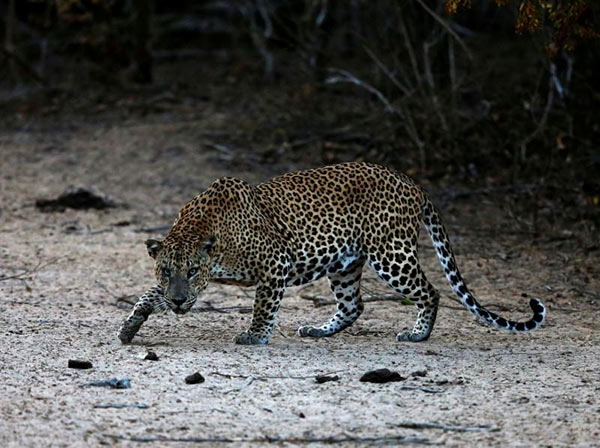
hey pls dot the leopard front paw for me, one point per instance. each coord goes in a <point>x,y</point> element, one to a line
<point>125,335</point>
<point>409,336</point>
<point>128,330</point>
<point>246,338</point>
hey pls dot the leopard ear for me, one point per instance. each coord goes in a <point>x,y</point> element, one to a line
<point>154,247</point>
<point>208,243</point>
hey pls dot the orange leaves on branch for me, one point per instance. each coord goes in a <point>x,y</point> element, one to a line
<point>453,5</point>
<point>529,18</point>
<point>569,21</point>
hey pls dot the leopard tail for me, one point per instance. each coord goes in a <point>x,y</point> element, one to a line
<point>440,240</point>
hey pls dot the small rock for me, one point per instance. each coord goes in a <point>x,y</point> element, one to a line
<point>151,356</point>
<point>301,415</point>
<point>78,364</point>
<point>381,376</point>
<point>320,379</point>
<point>419,373</point>
<point>194,378</point>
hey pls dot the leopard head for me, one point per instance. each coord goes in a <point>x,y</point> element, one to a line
<point>182,269</point>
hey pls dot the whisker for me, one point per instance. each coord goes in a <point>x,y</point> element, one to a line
<point>160,305</point>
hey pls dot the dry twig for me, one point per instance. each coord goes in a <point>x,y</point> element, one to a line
<point>542,123</point>
<point>119,299</point>
<point>447,28</point>
<point>396,439</point>
<point>276,377</point>
<point>427,389</point>
<point>324,301</point>
<point>225,309</point>
<point>152,229</point>
<point>387,71</point>
<point>427,425</point>
<point>344,76</point>
<point>39,266</point>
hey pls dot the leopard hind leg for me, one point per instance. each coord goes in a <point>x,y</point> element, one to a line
<point>345,285</point>
<point>402,272</point>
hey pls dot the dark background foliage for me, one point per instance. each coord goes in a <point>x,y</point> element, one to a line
<point>459,98</point>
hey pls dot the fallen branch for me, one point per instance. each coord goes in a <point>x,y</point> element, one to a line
<point>151,229</point>
<point>119,299</point>
<point>276,439</point>
<point>269,377</point>
<point>225,309</point>
<point>427,425</point>
<point>126,299</point>
<point>39,266</point>
<point>135,404</point>
<point>427,389</point>
<point>324,301</point>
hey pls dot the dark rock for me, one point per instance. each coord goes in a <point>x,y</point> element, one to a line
<point>122,223</point>
<point>78,364</point>
<point>76,198</point>
<point>320,379</point>
<point>381,376</point>
<point>194,378</point>
<point>419,373</point>
<point>151,356</point>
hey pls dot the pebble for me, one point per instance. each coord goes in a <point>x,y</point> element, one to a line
<point>320,379</point>
<point>194,378</point>
<point>381,376</point>
<point>78,364</point>
<point>151,356</point>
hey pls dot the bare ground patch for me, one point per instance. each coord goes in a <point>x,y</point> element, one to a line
<point>68,271</point>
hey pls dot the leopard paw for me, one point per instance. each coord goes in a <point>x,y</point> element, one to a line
<point>313,332</point>
<point>246,338</point>
<point>128,330</point>
<point>409,336</point>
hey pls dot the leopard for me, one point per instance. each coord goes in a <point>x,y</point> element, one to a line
<point>297,228</point>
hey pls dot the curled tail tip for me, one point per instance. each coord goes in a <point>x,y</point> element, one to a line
<point>538,319</point>
<point>537,306</point>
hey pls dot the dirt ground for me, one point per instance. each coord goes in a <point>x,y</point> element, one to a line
<point>72,273</point>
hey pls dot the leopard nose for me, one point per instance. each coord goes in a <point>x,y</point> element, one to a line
<point>178,300</point>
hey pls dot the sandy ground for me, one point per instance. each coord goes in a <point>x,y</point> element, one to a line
<point>72,268</point>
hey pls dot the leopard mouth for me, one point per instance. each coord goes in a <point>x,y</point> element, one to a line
<point>179,310</point>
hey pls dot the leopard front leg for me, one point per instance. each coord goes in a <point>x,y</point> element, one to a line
<point>264,312</point>
<point>146,304</point>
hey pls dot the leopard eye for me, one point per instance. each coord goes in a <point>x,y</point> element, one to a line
<point>192,272</point>
<point>166,272</point>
